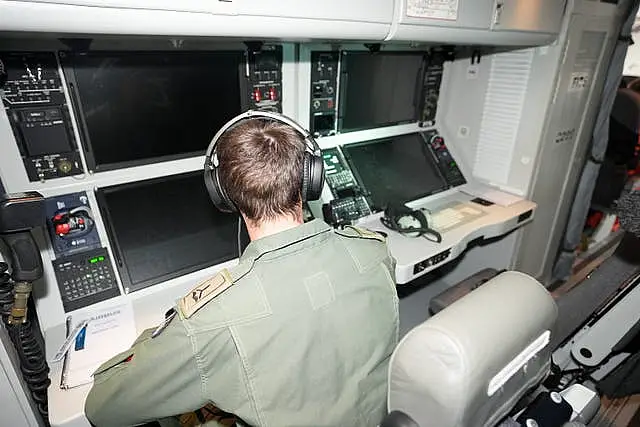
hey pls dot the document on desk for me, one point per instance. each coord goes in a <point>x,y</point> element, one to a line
<point>109,331</point>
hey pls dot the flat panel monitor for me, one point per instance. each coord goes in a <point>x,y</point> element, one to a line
<point>142,107</point>
<point>379,89</point>
<point>395,170</point>
<point>164,228</point>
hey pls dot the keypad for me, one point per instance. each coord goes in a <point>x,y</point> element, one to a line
<point>81,281</point>
<point>340,180</point>
<point>85,278</point>
<point>350,208</point>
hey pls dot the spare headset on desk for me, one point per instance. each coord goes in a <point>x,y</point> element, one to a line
<point>313,166</point>
<point>402,219</point>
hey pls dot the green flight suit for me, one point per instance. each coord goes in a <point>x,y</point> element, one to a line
<point>302,337</point>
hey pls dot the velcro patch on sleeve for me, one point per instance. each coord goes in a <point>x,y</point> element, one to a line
<point>204,292</point>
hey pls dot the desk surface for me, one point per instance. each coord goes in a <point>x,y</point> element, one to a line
<point>66,407</point>
<point>496,220</point>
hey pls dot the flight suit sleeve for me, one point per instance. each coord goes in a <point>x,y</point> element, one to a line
<point>158,377</point>
<point>390,262</point>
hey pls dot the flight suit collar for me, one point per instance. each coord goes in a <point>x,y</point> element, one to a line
<point>283,239</point>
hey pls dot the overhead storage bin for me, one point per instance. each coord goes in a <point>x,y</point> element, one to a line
<point>495,22</point>
<point>284,19</point>
<point>492,22</point>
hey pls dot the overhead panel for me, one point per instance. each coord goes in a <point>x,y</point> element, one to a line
<point>287,19</point>
<point>531,22</point>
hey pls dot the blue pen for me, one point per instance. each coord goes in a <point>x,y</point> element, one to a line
<point>81,328</point>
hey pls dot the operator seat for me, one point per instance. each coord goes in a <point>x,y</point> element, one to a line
<point>472,362</point>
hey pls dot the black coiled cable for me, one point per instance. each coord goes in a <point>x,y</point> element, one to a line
<point>6,290</point>
<point>33,364</point>
<point>395,212</point>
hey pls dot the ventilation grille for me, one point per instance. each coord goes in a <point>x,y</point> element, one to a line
<point>503,104</point>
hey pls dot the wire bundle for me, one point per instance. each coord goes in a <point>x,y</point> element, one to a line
<point>33,364</point>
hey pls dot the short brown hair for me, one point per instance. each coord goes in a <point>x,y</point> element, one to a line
<point>261,167</point>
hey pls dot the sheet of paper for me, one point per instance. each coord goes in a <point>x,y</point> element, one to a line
<point>109,331</point>
<point>491,194</point>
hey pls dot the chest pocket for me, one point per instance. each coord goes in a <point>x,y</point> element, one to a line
<point>244,302</point>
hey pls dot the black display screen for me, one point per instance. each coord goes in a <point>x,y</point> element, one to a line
<point>395,170</point>
<point>164,228</point>
<point>138,107</point>
<point>44,131</point>
<point>379,89</point>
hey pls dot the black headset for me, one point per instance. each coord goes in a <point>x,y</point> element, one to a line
<point>395,212</point>
<point>313,166</point>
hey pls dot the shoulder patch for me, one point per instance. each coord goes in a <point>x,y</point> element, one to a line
<point>204,292</point>
<point>359,232</point>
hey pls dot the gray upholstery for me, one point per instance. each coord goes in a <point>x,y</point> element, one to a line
<point>444,373</point>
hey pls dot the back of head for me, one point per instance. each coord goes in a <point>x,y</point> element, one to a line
<point>262,169</point>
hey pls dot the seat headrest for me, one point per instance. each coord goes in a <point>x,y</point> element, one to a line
<point>468,365</point>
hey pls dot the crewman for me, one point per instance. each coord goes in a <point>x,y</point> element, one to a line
<point>299,333</point>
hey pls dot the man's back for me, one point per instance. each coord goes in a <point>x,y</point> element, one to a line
<point>302,337</point>
<point>317,325</point>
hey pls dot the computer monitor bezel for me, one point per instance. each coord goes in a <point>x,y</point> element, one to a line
<point>429,157</point>
<point>117,249</point>
<point>66,61</point>
<point>343,87</point>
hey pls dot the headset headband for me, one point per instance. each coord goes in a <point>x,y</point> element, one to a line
<point>311,145</point>
<point>313,165</point>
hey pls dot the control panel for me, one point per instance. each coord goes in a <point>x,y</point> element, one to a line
<point>85,278</point>
<point>345,210</point>
<point>349,203</point>
<point>337,175</point>
<point>71,224</point>
<point>34,100</point>
<point>265,79</point>
<point>431,91</point>
<point>324,82</point>
<point>447,166</point>
<point>431,261</point>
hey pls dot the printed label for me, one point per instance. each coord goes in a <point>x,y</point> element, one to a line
<point>434,9</point>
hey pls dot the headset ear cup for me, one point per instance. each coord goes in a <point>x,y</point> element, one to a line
<point>227,204</point>
<point>317,178</point>
<point>216,192</point>
<point>306,172</point>
<point>314,176</point>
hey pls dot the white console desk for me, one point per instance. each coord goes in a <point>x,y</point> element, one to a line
<point>66,406</point>
<point>414,255</point>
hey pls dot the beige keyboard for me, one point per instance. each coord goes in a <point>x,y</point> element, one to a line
<point>451,217</point>
<point>445,218</point>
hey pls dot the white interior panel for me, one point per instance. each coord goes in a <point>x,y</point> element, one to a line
<point>565,141</point>
<point>501,114</point>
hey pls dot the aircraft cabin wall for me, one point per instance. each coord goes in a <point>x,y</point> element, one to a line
<point>584,49</point>
<point>524,118</point>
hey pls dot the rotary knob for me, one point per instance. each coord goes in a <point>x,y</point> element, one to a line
<point>65,166</point>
